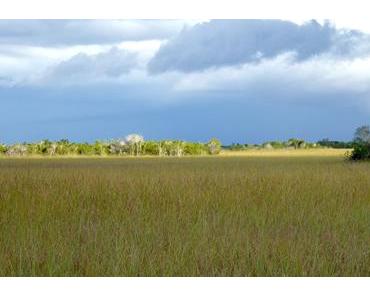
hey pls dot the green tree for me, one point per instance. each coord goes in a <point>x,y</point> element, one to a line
<point>296,143</point>
<point>151,148</point>
<point>361,150</point>
<point>100,148</point>
<point>3,148</point>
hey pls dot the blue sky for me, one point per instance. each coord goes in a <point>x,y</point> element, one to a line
<point>238,80</point>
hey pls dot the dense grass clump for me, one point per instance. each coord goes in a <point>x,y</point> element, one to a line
<point>210,216</point>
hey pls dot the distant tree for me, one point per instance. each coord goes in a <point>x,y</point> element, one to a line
<point>177,148</point>
<point>361,149</point>
<point>44,147</point>
<point>296,143</point>
<point>326,142</point>
<point>362,135</point>
<point>237,147</point>
<point>151,148</point>
<point>135,143</point>
<point>100,148</point>
<point>118,147</point>
<point>85,149</point>
<point>17,150</point>
<point>63,147</point>
<point>214,146</point>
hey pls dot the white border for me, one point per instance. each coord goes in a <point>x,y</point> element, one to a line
<point>290,9</point>
<point>352,13</point>
<point>185,287</point>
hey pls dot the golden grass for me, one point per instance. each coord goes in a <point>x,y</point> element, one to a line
<point>286,152</point>
<point>211,216</point>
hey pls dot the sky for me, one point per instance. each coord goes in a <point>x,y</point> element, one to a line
<point>246,81</point>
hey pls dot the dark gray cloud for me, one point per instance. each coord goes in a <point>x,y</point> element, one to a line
<point>231,42</point>
<point>83,32</point>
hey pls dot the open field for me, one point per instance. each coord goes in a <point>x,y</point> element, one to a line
<point>307,215</point>
<point>329,152</point>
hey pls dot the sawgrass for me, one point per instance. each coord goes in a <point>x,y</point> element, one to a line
<point>320,152</point>
<point>201,216</point>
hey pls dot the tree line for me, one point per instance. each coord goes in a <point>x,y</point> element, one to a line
<point>135,145</point>
<point>131,145</point>
<point>293,143</point>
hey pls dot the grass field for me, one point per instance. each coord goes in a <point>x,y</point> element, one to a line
<point>307,215</point>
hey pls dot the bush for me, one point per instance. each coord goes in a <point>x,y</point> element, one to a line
<point>193,148</point>
<point>361,148</point>
<point>85,149</point>
<point>3,148</point>
<point>277,144</point>
<point>361,151</point>
<point>100,148</point>
<point>151,148</point>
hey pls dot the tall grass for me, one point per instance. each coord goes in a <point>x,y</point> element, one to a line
<point>211,216</point>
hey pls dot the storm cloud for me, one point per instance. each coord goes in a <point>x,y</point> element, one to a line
<point>221,43</point>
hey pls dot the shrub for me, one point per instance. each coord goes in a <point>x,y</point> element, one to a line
<point>277,144</point>
<point>193,148</point>
<point>100,148</point>
<point>151,148</point>
<point>361,151</point>
<point>85,149</point>
<point>63,147</point>
<point>3,148</point>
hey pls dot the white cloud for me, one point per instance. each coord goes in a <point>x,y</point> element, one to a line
<point>22,64</point>
<point>29,48</point>
<point>320,75</point>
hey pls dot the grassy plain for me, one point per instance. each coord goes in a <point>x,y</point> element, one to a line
<point>251,215</point>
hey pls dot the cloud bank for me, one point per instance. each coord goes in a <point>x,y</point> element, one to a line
<point>221,43</point>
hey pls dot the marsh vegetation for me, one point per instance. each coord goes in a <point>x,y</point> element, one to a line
<point>307,215</point>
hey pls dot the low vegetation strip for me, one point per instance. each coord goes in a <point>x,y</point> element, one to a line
<point>135,145</point>
<point>317,152</point>
<point>131,145</point>
<point>209,216</point>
